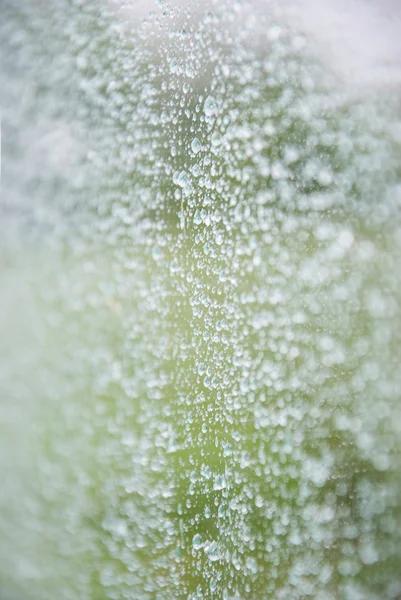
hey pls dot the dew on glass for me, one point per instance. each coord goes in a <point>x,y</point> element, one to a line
<point>201,300</point>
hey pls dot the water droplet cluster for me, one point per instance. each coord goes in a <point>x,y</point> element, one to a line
<point>202,397</point>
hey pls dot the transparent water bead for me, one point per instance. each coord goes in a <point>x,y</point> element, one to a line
<point>196,146</point>
<point>210,106</point>
<point>181,179</point>
<point>197,542</point>
<point>219,482</point>
<point>212,551</point>
<point>198,217</point>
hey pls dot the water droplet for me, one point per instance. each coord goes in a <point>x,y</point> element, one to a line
<point>212,551</point>
<point>219,482</point>
<point>219,238</point>
<point>216,138</point>
<point>157,253</point>
<point>274,33</point>
<point>210,106</point>
<point>206,471</point>
<point>196,146</point>
<point>197,541</point>
<point>182,179</point>
<point>197,217</point>
<point>251,565</point>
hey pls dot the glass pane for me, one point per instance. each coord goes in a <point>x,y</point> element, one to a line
<point>200,300</point>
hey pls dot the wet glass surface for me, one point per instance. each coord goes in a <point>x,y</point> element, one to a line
<point>200,304</point>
